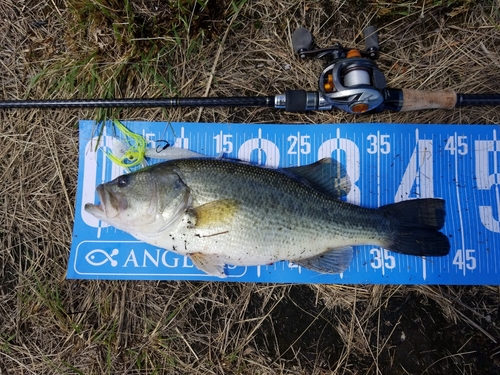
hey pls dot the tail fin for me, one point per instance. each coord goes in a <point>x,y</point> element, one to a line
<point>415,226</point>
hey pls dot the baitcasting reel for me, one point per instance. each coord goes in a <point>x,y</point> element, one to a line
<point>351,80</point>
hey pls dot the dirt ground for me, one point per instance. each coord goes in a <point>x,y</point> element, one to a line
<point>55,49</point>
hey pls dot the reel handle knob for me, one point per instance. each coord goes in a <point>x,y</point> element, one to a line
<point>302,40</point>
<point>371,41</point>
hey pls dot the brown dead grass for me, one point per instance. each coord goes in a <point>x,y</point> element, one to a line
<point>62,49</point>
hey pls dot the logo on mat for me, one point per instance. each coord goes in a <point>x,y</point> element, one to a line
<point>98,257</point>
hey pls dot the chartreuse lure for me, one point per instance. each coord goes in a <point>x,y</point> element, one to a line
<point>131,152</point>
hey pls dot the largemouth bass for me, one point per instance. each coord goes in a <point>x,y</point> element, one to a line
<point>219,211</point>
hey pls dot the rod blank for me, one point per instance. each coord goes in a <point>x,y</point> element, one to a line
<point>250,101</point>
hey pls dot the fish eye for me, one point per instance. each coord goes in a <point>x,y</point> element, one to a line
<point>122,181</point>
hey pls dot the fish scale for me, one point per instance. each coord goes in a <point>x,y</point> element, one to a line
<point>240,214</point>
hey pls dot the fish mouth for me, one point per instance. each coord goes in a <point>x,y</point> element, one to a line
<point>111,204</point>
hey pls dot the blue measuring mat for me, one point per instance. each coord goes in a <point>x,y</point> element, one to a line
<point>386,163</point>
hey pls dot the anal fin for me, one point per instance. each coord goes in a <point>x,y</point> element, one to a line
<point>332,261</point>
<point>208,263</point>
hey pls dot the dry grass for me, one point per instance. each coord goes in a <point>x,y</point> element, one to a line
<point>111,48</point>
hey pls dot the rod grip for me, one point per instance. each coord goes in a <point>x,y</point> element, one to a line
<point>415,100</point>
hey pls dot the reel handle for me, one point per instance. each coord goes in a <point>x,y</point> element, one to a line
<point>371,37</point>
<point>371,41</point>
<point>302,40</point>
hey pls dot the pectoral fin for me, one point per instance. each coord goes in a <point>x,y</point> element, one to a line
<point>210,264</point>
<point>216,213</point>
<point>332,261</point>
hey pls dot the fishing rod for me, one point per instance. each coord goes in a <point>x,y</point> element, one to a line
<point>351,82</point>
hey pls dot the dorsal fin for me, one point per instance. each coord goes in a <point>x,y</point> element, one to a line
<point>327,175</point>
